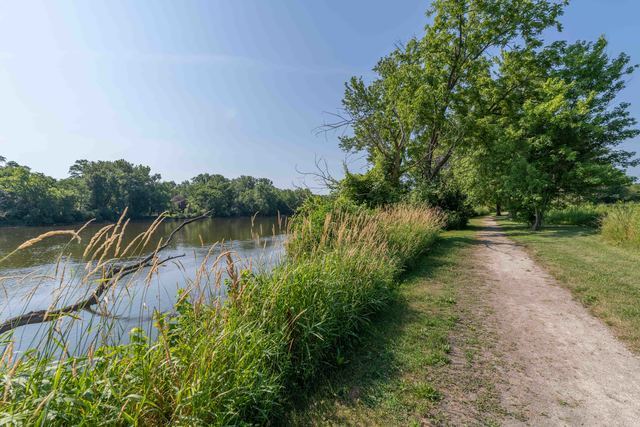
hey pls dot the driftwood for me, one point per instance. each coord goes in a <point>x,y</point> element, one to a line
<point>113,274</point>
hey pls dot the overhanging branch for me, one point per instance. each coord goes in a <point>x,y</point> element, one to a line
<point>114,273</point>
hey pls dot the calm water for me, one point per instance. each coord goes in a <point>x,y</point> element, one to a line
<point>50,274</point>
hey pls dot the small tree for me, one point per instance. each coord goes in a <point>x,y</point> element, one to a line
<point>564,137</point>
<point>482,165</point>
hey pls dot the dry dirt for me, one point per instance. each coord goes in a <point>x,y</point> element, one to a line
<point>560,365</point>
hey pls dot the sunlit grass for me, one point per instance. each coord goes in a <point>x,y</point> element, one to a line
<point>401,371</point>
<point>586,214</point>
<point>621,225</point>
<point>600,274</point>
<point>226,362</point>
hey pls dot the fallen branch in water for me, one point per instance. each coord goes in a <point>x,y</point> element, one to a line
<point>114,273</point>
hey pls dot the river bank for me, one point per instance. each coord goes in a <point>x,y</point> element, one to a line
<point>242,360</point>
<point>53,272</point>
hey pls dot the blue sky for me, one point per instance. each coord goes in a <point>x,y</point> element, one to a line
<point>230,87</point>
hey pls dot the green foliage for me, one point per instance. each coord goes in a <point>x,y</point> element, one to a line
<point>618,193</point>
<point>585,214</point>
<point>621,224</point>
<point>34,198</point>
<point>632,193</point>
<point>369,189</point>
<point>481,210</point>
<point>395,373</point>
<point>427,94</point>
<point>448,197</point>
<point>235,363</point>
<point>434,102</point>
<point>104,189</point>
<point>561,128</point>
<point>316,219</point>
<point>113,186</point>
<point>243,196</point>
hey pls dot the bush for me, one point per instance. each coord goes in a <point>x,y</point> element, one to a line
<point>621,224</point>
<point>447,197</point>
<point>240,361</point>
<point>370,189</point>
<point>482,210</point>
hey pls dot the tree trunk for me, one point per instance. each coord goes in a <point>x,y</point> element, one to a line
<point>537,222</point>
<point>498,209</point>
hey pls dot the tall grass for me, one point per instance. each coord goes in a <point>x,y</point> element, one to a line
<point>621,225</point>
<point>236,361</point>
<point>585,214</point>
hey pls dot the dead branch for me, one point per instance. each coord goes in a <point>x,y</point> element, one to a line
<point>321,175</point>
<point>113,274</point>
<point>339,123</point>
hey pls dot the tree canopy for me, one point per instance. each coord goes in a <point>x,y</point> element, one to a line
<point>557,136</point>
<point>103,190</point>
<point>426,95</point>
<point>480,107</point>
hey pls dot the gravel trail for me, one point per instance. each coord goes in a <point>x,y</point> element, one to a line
<point>561,366</point>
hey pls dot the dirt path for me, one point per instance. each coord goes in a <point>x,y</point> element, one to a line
<point>561,366</point>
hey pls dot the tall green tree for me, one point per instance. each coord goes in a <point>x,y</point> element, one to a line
<point>104,189</point>
<point>242,196</point>
<point>482,168</point>
<point>456,56</point>
<point>564,130</point>
<point>34,198</point>
<point>114,186</point>
<point>426,96</point>
<point>207,192</point>
<point>381,116</point>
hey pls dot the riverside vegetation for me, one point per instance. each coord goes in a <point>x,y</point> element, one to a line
<point>477,111</point>
<point>232,361</point>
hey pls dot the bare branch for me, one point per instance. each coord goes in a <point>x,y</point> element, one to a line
<point>114,273</point>
<point>321,175</point>
<point>340,123</point>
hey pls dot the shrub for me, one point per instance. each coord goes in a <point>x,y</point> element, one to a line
<point>482,210</point>
<point>447,197</point>
<point>371,188</point>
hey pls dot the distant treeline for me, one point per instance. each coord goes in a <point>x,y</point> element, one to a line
<point>103,189</point>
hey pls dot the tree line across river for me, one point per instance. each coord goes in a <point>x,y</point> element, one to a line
<point>103,189</point>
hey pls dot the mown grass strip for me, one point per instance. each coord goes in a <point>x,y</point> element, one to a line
<point>600,274</point>
<point>421,358</point>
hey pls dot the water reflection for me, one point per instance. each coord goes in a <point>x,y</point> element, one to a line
<point>36,278</point>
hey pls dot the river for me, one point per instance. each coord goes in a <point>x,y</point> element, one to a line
<point>50,273</point>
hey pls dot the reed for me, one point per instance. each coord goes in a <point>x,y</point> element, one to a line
<point>232,361</point>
